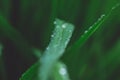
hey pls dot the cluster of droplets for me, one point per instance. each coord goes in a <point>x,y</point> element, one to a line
<point>63,26</point>
<point>101,17</point>
<point>69,31</point>
<point>53,35</point>
<point>86,31</point>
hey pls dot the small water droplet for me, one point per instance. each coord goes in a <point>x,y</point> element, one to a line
<point>115,6</point>
<point>86,31</point>
<point>55,22</point>
<point>95,23</point>
<point>62,71</point>
<point>64,26</point>
<point>102,16</point>
<point>47,48</point>
<point>90,27</point>
<point>52,36</point>
<point>99,18</point>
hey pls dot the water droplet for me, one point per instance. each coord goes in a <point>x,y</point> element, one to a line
<point>62,71</point>
<point>52,36</point>
<point>64,26</point>
<point>90,27</point>
<point>86,32</point>
<point>115,6</point>
<point>99,18</point>
<point>102,16</point>
<point>55,22</point>
<point>47,48</point>
<point>95,23</point>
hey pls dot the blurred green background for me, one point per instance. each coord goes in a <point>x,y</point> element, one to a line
<point>27,24</point>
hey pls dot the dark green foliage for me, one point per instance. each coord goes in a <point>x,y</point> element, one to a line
<point>26,27</point>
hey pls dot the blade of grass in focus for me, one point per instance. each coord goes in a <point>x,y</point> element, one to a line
<point>59,40</point>
<point>73,51</point>
<point>83,38</point>
<point>75,47</point>
<point>54,51</point>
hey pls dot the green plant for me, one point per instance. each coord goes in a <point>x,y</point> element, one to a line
<point>59,40</point>
<point>88,56</point>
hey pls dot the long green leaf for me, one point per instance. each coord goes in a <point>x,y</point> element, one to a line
<point>73,51</point>
<point>54,51</point>
<point>84,37</point>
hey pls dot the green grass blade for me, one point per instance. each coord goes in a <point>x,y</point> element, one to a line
<point>53,52</point>
<point>92,29</point>
<point>74,51</point>
<point>75,47</point>
<point>31,73</point>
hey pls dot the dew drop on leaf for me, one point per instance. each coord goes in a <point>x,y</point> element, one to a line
<point>64,26</point>
<point>86,32</point>
<point>63,71</point>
